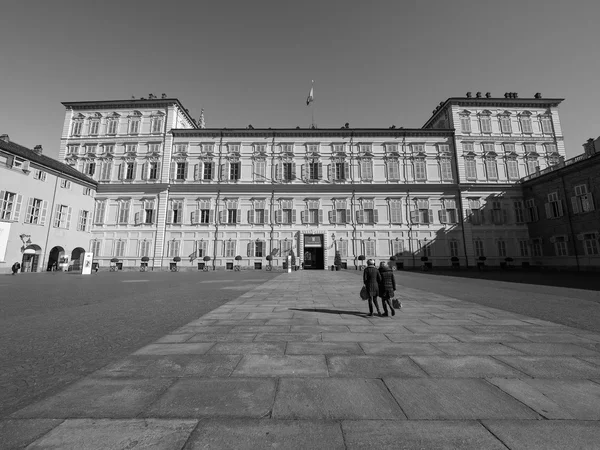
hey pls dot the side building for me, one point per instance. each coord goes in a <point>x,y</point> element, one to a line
<point>447,190</point>
<point>46,209</point>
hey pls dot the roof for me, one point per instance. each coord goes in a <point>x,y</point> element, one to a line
<point>131,103</point>
<point>501,102</point>
<point>45,161</point>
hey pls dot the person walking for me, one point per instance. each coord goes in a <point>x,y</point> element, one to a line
<point>371,280</point>
<point>387,288</point>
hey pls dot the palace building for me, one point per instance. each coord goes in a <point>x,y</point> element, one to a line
<point>169,187</point>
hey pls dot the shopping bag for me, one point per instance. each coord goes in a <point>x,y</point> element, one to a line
<point>364,294</point>
<point>396,303</point>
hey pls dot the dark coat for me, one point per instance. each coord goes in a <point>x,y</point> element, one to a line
<point>387,286</point>
<point>371,280</point>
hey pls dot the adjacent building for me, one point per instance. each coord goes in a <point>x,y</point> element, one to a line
<point>168,187</point>
<point>46,209</point>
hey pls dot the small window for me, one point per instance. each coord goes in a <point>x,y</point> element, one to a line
<point>65,184</point>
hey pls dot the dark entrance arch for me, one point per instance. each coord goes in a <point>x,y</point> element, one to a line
<point>55,255</point>
<point>31,256</point>
<point>77,257</point>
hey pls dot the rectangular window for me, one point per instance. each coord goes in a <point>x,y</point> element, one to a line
<point>8,206</point>
<point>65,184</point>
<point>366,170</point>
<point>526,125</point>
<point>180,171</point>
<point>505,125</point>
<point>134,126</point>
<point>260,170</point>
<point>501,246</point>
<point>232,216</point>
<point>152,171</point>
<point>94,126</point>
<point>76,128</point>
<point>536,247</point>
<point>512,168</point>
<point>554,207</point>
<point>491,168</point>
<point>546,125</point>
<point>144,248</point>
<point>524,248</point>
<point>395,211</point>
<point>83,221</point>
<point>532,165</point>
<point>259,216</point>
<point>148,214</point>
<point>465,124</point>
<point>39,175</point>
<point>99,212</point>
<point>129,171</point>
<point>234,171</point>
<point>259,249</point>
<point>486,124</point>
<point>342,247</point>
<point>393,167</point>
<point>205,216</point>
<point>560,247</point>
<point>123,215</point>
<point>340,171</point>
<point>470,169</point>
<point>229,251</point>
<point>95,247</point>
<point>180,148</point>
<point>108,148</point>
<point>479,251</point>
<point>454,248</point>
<point>583,200</point>
<point>177,211</point>
<point>111,126</point>
<point>476,216</point>
<point>154,148</point>
<point>173,248</point>
<point>364,148</point>
<point>397,247</point>
<point>207,171</point>
<point>448,214</point>
<point>287,171</point>
<point>531,210</point>
<point>62,216</point>
<point>34,211</point>
<point>90,169</point>
<point>498,214</point>
<point>590,244</point>
<point>157,125</point>
<point>130,148</point>
<point>369,248</point>
<point>313,171</point>
<point>420,169</point>
<point>446,169</point>
<point>519,211</point>
<point>120,248</point>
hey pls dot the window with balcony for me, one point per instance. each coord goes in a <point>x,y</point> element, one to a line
<point>583,201</point>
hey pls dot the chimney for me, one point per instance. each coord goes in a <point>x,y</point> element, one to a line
<point>4,138</point>
<point>38,149</point>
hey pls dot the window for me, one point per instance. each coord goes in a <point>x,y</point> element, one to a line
<point>342,247</point>
<point>176,212</point>
<point>134,126</point>
<point>76,127</point>
<point>546,124</point>
<point>465,123</point>
<point>62,216</point>
<point>501,247</point>
<point>258,215</point>
<point>519,211</point>
<point>120,248</point>
<point>526,125</point>
<point>260,170</point>
<point>393,169</point>
<point>109,149</point>
<point>207,170</point>
<point>312,213</point>
<point>448,213</point>
<point>532,165</point>
<point>154,148</point>
<point>203,215</point>
<point>560,246</point>
<point>397,247</point>
<point>99,212</point>
<point>65,184</point>
<point>531,210</point>
<point>505,125</point>
<point>234,148</point>
<point>259,249</point>
<point>111,126</point>
<point>72,149</point>
<point>395,211</point>
<point>582,201</point>
<point>173,248</point>
<point>425,248</point>
<point>470,168</point>
<point>491,168</point>
<point>131,148</point>
<point>590,244</point>
<point>123,212</point>
<point>554,207</point>
<point>94,127</point>
<point>288,171</point>
<point>144,248</point>
<point>36,211</point>
<point>446,169</point>
<point>512,169</point>
<point>129,171</point>
<point>315,170</point>
<point>157,125</point>
<point>486,124</point>
<point>287,213</point>
<point>536,247</point>
<point>231,215</point>
<point>90,169</point>
<point>364,148</point>
<point>105,174</point>
<point>152,171</point>
<point>340,170</point>
<point>229,251</point>
<point>551,149</point>
<point>366,169</point>
<point>39,175</point>
<point>499,215</point>
<point>201,249</point>
<point>83,222</point>
<point>148,211</point>
<point>179,148</point>
<point>96,247</point>
<point>475,212</point>
<point>453,248</point>
<point>479,251</point>
<point>420,169</point>
<point>180,171</point>
<point>287,148</point>
<point>286,247</point>
<point>422,214</point>
<point>524,248</point>
<point>368,214</point>
<point>234,171</point>
<point>369,248</point>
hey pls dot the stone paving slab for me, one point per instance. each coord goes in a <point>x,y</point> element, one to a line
<point>372,367</point>
<point>460,349</point>
<point>281,366</point>
<point>452,399</point>
<point>465,367</point>
<point>17,433</point>
<point>251,434</point>
<point>117,434</point>
<point>547,434</point>
<point>234,348</point>
<point>553,349</point>
<point>418,434</point>
<point>195,348</point>
<point>324,348</point>
<point>551,366</point>
<point>399,349</point>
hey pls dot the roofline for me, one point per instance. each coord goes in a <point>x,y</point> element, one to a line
<point>116,104</point>
<point>318,132</point>
<point>533,102</point>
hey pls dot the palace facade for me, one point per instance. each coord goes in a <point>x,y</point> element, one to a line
<point>168,187</point>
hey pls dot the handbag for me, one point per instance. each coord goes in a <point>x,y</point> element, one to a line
<point>396,303</point>
<point>364,294</point>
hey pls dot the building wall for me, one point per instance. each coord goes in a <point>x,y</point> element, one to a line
<point>45,232</point>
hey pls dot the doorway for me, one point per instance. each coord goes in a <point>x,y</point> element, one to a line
<point>55,255</point>
<point>31,256</point>
<point>77,256</point>
<point>314,257</point>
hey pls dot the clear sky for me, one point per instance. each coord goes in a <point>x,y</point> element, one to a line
<point>375,63</point>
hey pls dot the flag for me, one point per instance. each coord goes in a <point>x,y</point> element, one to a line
<point>310,97</point>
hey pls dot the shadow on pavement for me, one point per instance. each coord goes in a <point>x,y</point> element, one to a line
<point>576,280</point>
<point>331,311</point>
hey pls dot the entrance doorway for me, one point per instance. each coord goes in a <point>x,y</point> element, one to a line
<point>314,258</point>
<point>31,256</point>
<point>77,256</point>
<point>55,255</point>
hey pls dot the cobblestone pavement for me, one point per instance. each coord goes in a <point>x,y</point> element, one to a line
<point>56,328</point>
<point>295,362</point>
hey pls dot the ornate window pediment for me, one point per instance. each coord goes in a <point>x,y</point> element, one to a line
<point>135,114</point>
<point>79,116</point>
<point>464,112</point>
<point>485,112</point>
<point>114,115</point>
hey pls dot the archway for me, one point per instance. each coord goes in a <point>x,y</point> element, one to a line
<point>55,254</point>
<point>77,258</point>
<point>31,257</point>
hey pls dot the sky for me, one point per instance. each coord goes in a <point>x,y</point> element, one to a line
<point>374,64</point>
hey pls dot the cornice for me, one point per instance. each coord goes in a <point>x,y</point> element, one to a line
<point>124,189</point>
<point>328,133</point>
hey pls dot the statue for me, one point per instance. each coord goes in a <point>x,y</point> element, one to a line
<point>201,122</point>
